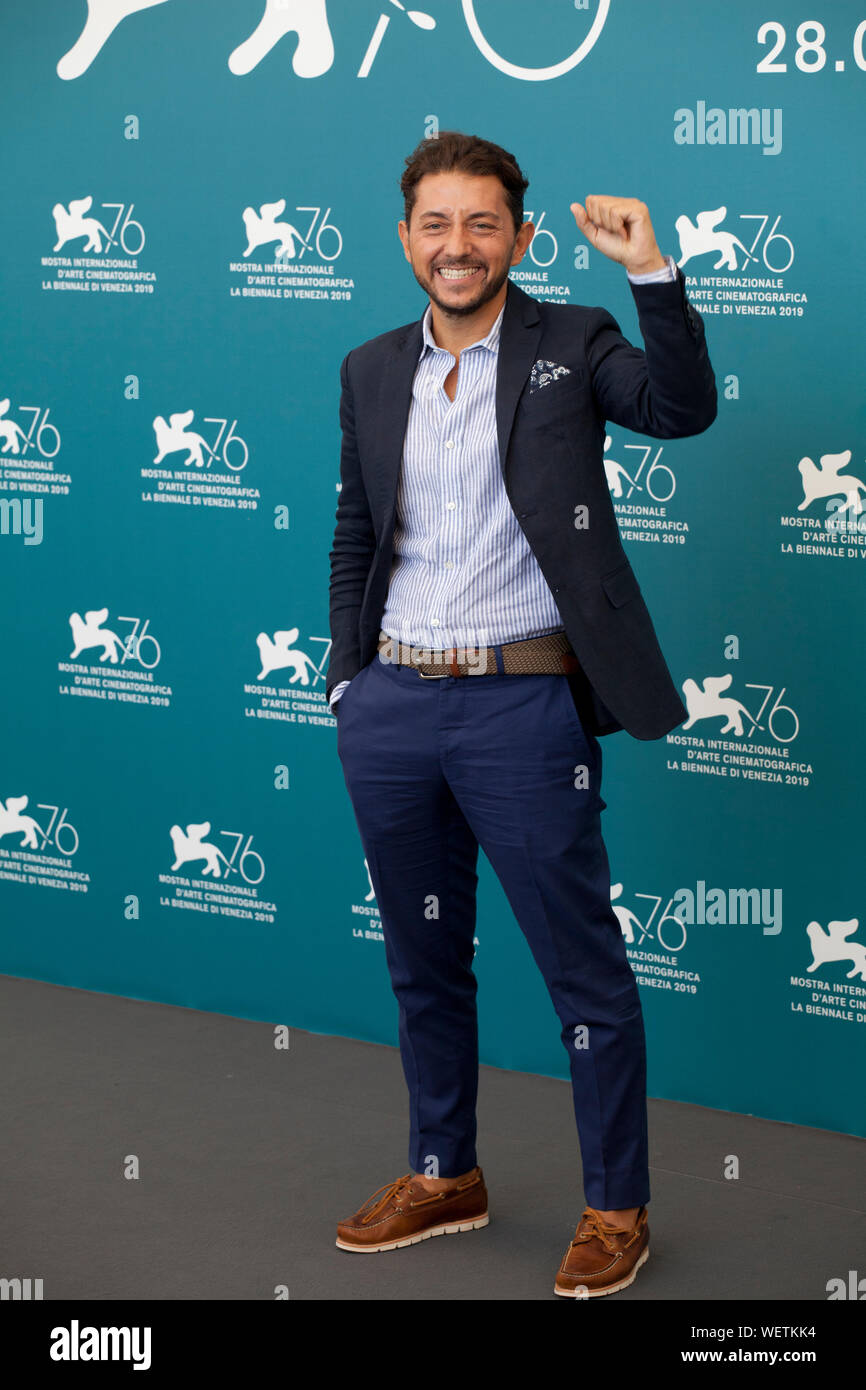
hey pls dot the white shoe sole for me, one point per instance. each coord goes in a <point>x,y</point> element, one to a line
<point>583,1291</point>
<point>451,1228</point>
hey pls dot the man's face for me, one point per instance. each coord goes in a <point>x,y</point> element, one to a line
<point>461,241</point>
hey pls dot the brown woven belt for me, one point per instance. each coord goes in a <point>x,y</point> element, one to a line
<point>549,655</point>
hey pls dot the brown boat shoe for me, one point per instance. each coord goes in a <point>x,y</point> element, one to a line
<point>602,1258</point>
<point>404,1212</point>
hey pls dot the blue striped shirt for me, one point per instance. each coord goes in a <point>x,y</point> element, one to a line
<point>463,573</point>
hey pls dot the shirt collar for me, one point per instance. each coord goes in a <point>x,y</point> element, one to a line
<point>490,342</point>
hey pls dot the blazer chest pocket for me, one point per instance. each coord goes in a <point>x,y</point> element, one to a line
<point>560,391</point>
<point>620,585</point>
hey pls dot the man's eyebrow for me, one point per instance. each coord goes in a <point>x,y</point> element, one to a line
<point>496,215</point>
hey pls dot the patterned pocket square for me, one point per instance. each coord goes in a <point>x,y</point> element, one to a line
<point>544,372</point>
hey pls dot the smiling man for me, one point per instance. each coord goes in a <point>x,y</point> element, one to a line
<point>487,630</point>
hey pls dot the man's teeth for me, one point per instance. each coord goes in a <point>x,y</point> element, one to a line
<point>450,273</point>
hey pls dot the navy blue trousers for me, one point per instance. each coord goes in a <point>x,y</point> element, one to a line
<point>434,768</point>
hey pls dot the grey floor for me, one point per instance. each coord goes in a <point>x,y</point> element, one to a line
<point>248,1156</point>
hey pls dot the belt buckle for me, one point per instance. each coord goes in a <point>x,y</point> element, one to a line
<point>425,676</point>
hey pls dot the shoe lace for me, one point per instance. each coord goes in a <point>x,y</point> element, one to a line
<point>592,1226</point>
<point>391,1191</point>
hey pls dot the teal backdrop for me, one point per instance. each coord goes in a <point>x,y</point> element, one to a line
<point>200,221</point>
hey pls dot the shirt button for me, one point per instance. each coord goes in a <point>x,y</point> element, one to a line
<point>452,506</point>
<point>434,622</point>
<point>449,564</point>
<point>449,443</point>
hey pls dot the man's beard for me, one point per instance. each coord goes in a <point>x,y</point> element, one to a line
<point>489,290</point>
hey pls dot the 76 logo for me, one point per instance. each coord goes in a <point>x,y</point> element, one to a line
<point>667,928</point>
<point>42,435</point>
<point>658,479</point>
<point>782,256</point>
<point>706,236</point>
<point>266,225</point>
<point>90,631</point>
<point>74,223</point>
<point>709,701</point>
<point>58,832</point>
<point>322,236</point>
<point>543,236</point>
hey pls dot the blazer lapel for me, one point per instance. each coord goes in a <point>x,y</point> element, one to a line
<point>395,397</point>
<point>518,347</point>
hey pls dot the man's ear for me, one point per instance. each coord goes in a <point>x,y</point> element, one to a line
<point>403,233</point>
<point>522,241</point>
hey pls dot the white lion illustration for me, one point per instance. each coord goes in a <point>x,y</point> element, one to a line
<point>73,224</point>
<point>827,481</point>
<point>704,702</point>
<point>89,632</point>
<point>702,238</point>
<point>613,471</point>
<point>278,654</point>
<point>833,944</point>
<point>103,17</point>
<point>314,52</point>
<point>261,228</point>
<point>13,823</point>
<point>10,430</point>
<point>190,845</point>
<point>174,436</point>
<point>624,915</point>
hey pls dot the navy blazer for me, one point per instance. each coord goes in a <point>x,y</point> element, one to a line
<point>551,447</point>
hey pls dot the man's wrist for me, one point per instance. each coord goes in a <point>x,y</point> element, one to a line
<point>657,262</point>
<point>667,271</point>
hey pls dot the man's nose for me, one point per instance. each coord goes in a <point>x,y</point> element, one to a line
<point>458,243</point>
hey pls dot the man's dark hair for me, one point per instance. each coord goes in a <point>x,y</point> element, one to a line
<point>469,154</point>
